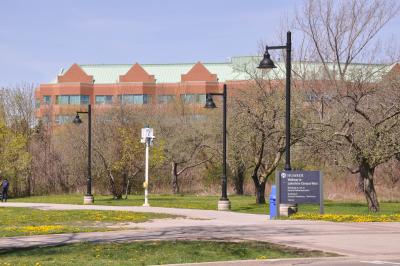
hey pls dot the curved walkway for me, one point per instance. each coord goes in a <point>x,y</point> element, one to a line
<point>351,239</point>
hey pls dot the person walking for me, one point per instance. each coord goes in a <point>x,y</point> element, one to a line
<point>4,185</point>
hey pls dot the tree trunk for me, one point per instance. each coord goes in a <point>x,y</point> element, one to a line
<point>127,189</point>
<point>131,182</point>
<point>174,176</point>
<point>260,190</point>
<point>360,184</point>
<point>28,188</point>
<point>238,179</point>
<point>367,175</point>
<point>112,184</point>
<point>124,184</point>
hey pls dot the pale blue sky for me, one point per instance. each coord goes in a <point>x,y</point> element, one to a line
<point>39,37</point>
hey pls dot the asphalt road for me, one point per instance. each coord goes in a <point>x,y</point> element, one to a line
<point>358,243</point>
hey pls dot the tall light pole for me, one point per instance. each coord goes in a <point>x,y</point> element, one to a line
<point>267,63</point>
<point>223,204</point>
<point>88,198</point>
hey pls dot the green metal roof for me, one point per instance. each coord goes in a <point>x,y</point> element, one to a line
<point>233,70</point>
<point>163,73</point>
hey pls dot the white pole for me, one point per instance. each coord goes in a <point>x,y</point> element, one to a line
<point>146,201</point>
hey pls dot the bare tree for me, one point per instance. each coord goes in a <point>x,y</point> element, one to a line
<point>237,159</point>
<point>19,110</point>
<point>186,141</point>
<point>118,152</point>
<point>259,112</point>
<point>358,110</point>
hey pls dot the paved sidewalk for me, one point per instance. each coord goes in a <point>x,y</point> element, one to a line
<point>352,239</point>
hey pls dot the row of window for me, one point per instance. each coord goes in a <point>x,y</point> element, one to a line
<point>125,99</point>
<point>134,98</point>
<point>65,99</point>
<point>66,119</point>
<point>310,96</point>
<point>72,99</point>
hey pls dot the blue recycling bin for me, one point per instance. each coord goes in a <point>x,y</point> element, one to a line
<point>272,203</point>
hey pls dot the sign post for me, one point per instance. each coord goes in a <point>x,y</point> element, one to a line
<point>296,187</point>
<point>147,138</point>
<point>321,192</point>
<point>278,194</point>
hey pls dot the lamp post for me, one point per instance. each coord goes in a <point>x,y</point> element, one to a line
<point>223,204</point>
<point>88,198</point>
<point>267,63</point>
<point>148,138</point>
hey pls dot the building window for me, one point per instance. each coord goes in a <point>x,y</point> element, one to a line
<point>85,99</point>
<point>47,100</point>
<point>134,98</point>
<point>37,103</point>
<point>62,99</point>
<point>104,99</point>
<point>62,119</point>
<point>72,99</point>
<point>165,98</point>
<point>193,98</point>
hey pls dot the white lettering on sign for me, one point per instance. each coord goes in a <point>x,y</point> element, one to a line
<point>300,186</point>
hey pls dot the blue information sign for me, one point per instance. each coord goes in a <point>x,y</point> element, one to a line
<point>300,187</point>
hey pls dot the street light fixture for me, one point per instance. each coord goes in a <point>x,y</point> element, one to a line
<point>88,198</point>
<point>223,204</point>
<point>77,119</point>
<point>267,63</point>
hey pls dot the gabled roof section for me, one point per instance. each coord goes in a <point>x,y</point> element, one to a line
<point>393,72</point>
<point>137,74</point>
<point>75,74</point>
<point>199,73</point>
<point>395,69</point>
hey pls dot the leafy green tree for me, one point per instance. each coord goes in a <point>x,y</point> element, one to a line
<point>14,158</point>
<point>118,151</point>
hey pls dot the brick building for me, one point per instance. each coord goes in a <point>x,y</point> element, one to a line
<point>103,85</point>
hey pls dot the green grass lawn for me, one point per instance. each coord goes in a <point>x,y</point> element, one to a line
<point>358,208</point>
<point>26,221</point>
<point>151,253</point>
<point>239,203</point>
